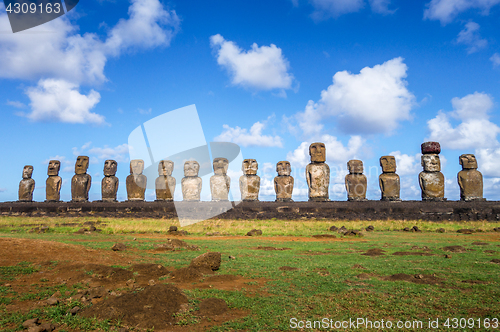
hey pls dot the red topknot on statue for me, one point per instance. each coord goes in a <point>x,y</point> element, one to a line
<point>431,147</point>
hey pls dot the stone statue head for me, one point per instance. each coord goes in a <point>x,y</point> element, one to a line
<point>317,151</point>
<point>27,171</point>
<point>81,165</point>
<point>110,167</point>
<point>468,161</point>
<point>355,166</point>
<point>220,166</point>
<point>136,166</point>
<point>165,168</point>
<point>54,166</point>
<point>431,163</point>
<point>191,168</point>
<point>283,168</point>
<point>388,164</point>
<point>250,166</point>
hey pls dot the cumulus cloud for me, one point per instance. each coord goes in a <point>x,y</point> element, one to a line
<point>56,52</point>
<point>446,10</point>
<point>16,104</point>
<point>373,101</point>
<point>249,137</point>
<point>474,130</point>
<point>324,9</point>
<point>381,6</point>
<point>260,68</point>
<point>118,153</point>
<point>407,164</point>
<point>470,37</point>
<point>488,160</point>
<point>58,100</point>
<point>495,58</point>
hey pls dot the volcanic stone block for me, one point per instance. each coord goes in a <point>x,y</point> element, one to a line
<point>250,181</point>
<point>109,184</point>
<point>136,182</point>
<point>220,183</point>
<point>470,179</point>
<point>27,185</point>
<point>389,181</point>
<point>355,181</point>
<point>431,179</point>
<point>165,182</point>
<point>191,182</point>
<point>54,182</point>
<point>81,181</point>
<point>318,173</point>
<point>283,183</point>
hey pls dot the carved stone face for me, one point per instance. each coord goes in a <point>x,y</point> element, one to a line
<point>220,166</point>
<point>110,167</point>
<point>431,163</point>
<point>191,168</point>
<point>317,152</point>
<point>165,168</point>
<point>283,168</point>
<point>388,164</point>
<point>355,166</point>
<point>81,165</point>
<point>27,172</point>
<point>468,161</point>
<point>250,166</point>
<point>136,166</point>
<point>54,166</point>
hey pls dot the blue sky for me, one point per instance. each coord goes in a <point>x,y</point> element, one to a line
<point>368,78</point>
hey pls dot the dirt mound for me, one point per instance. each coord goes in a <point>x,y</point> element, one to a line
<point>412,253</point>
<point>366,276</point>
<point>480,244</point>
<point>288,268</point>
<point>187,274</point>
<point>173,244</point>
<point>271,248</point>
<point>455,249</point>
<point>212,307</point>
<point>222,278</point>
<point>374,252</point>
<point>495,260</point>
<point>254,232</point>
<point>208,260</point>
<point>490,251</point>
<point>417,278</point>
<point>150,270</point>
<point>95,274</point>
<point>465,231</point>
<point>357,266</point>
<point>151,308</point>
<point>324,236</point>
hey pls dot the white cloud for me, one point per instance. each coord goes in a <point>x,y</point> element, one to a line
<point>324,9</point>
<point>381,6</point>
<point>16,104</point>
<point>495,58</point>
<point>406,164</point>
<point>144,112</point>
<point>261,68</point>
<point>336,152</point>
<point>475,129</point>
<point>488,160</point>
<point>59,100</point>
<point>249,137</point>
<point>470,37</point>
<point>118,153</point>
<point>446,10</point>
<point>373,101</point>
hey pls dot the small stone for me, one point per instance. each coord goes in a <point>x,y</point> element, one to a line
<point>74,310</point>
<point>441,230</point>
<point>495,260</point>
<point>130,282</point>
<point>333,228</point>
<point>447,256</point>
<point>151,282</point>
<point>92,228</point>
<point>370,228</point>
<point>465,231</point>
<point>254,232</point>
<point>52,301</point>
<point>419,276</point>
<point>232,257</point>
<point>30,322</point>
<point>7,285</point>
<point>172,229</point>
<point>46,327</point>
<point>118,247</point>
<point>415,229</point>
<point>208,260</point>
<point>406,229</point>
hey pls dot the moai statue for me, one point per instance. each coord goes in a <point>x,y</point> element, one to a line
<point>54,182</point>
<point>355,181</point>
<point>318,173</point>
<point>283,183</point>
<point>389,180</point>
<point>470,179</point>
<point>136,182</point>
<point>80,183</point>
<point>191,182</point>
<point>431,179</point>
<point>109,184</point>
<point>27,185</point>
<point>249,181</point>
<point>220,182</point>
<point>165,182</point>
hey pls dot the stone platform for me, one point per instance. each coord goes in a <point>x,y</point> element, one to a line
<point>368,210</point>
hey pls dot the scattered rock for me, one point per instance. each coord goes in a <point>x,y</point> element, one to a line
<point>214,234</point>
<point>495,260</point>
<point>254,232</point>
<point>74,310</point>
<point>173,244</point>
<point>357,266</point>
<point>208,260</point>
<point>441,230</point>
<point>232,257</point>
<point>271,248</point>
<point>333,228</point>
<point>480,243</point>
<point>212,307</point>
<point>496,229</point>
<point>97,292</point>
<point>417,279</point>
<point>447,256</point>
<point>374,252</point>
<point>455,249</point>
<point>406,229</point>
<point>172,229</point>
<point>370,228</point>
<point>342,229</point>
<point>30,322</point>
<point>118,247</point>
<point>44,229</point>
<point>353,233</point>
<point>465,231</point>
<point>419,276</point>
<point>288,268</point>
<point>415,229</point>
<point>52,301</point>
<point>324,236</point>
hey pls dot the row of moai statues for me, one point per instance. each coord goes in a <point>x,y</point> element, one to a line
<point>317,175</point>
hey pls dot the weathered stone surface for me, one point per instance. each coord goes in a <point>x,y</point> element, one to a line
<point>470,179</point>
<point>220,183</point>
<point>136,182</point>
<point>355,181</point>
<point>283,183</point>
<point>27,185</point>
<point>389,181</point>
<point>118,247</point>
<point>431,179</point>
<point>165,182</point>
<point>431,148</point>
<point>250,181</point>
<point>54,181</point>
<point>109,184</point>
<point>208,260</point>
<point>81,181</point>
<point>318,173</point>
<point>191,183</point>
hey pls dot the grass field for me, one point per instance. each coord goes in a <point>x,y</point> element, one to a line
<point>390,275</point>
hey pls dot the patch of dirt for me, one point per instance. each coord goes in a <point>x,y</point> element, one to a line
<point>270,248</point>
<point>187,274</point>
<point>480,243</point>
<point>374,252</point>
<point>288,268</point>
<point>324,236</point>
<point>490,251</point>
<point>357,266</point>
<point>495,260</point>
<point>458,249</point>
<point>475,282</point>
<point>212,307</point>
<point>412,253</point>
<point>427,279</point>
<point>322,271</point>
<point>173,244</point>
<point>365,276</point>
